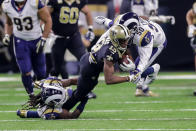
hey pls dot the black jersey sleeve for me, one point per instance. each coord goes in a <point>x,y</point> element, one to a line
<point>51,3</point>
<point>83,3</point>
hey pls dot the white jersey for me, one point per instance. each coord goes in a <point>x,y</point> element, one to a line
<point>148,35</point>
<point>26,24</point>
<point>143,7</point>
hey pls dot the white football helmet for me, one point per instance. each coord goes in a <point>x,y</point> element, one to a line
<point>119,35</point>
<point>55,96</point>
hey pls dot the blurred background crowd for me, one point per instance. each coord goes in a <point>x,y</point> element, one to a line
<point>178,56</point>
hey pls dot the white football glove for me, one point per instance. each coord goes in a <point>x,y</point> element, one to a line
<point>6,40</point>
<point>127,67</point>
<point>101,20</point>
<point>191,30</point>
<point>135,76</point>
<point>90,34</point>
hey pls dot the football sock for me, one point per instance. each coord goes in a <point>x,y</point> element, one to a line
<point>147,72</point>
<point>27,82</point>
<point>82,104</point>
<point>32,114</point>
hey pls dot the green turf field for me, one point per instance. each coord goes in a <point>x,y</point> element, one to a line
<point>116,108</point>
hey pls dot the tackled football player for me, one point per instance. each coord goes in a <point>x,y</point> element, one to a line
<point>54,93</point>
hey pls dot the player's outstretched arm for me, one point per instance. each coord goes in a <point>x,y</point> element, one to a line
<point>110,78</point>
<point>69,82</point>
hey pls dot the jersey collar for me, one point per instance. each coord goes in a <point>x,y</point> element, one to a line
<point>19,10</point>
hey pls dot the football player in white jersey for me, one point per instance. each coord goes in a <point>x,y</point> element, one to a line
<point>150,40</point>
<point>23,22</point>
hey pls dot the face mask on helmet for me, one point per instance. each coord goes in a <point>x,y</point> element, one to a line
<point>54,96</point>
<point>19,2</point>
<point>194,7</point>
<point>119,35</point>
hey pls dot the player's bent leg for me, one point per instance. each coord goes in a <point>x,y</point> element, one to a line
<point>148,76</point>
<point>151,77</point>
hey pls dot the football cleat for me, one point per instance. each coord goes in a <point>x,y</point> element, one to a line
<point>21,113</point>
<point>141,93</point>
<point>91,95</point>
<point>151,94</point>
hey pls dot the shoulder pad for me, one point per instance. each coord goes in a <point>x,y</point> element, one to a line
<point>34,3</point>
<point>145,38</point>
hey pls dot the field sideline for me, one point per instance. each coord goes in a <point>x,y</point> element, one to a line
<point>115,109</point>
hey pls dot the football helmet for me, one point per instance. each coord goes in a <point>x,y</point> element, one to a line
<point>54,96</point>
<point>119,36</point>
<point>194,7</point>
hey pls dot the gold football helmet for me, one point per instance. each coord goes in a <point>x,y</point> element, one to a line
<point>119,36</point>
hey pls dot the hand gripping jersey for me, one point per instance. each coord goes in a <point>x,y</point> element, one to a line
<point>26,24</point>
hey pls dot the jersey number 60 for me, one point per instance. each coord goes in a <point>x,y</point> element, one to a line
<point>68,15</point>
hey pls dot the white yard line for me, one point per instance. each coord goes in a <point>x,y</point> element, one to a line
<point>129,110</point>
<point>126,102</point>
<point>112,119</point>
<point>161,77</point>
<point>108,129</point>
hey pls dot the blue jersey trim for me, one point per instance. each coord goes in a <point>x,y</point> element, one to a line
<point>14,6</point>
<point>40,5</point>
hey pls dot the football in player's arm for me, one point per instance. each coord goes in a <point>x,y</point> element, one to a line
<point>149,39</point>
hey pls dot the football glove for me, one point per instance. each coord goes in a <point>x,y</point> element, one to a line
<point>135,76</point>
<point>101,20</point>
<point>40,45</point>
<point>6,40</point>
<point>191,31</point>
<point>171,20</point>
<point>127,67</point>
<point>90,34</point>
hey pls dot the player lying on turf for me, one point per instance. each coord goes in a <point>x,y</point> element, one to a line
<point>54,93</point>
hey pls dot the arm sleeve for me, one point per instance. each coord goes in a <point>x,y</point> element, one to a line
<point>82,4</point>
